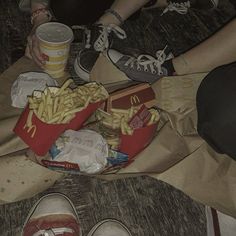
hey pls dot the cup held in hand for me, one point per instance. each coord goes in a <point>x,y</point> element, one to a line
<point>54,42</point>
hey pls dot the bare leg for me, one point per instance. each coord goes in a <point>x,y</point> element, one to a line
<point>124,8</point>
<point>217,50</point>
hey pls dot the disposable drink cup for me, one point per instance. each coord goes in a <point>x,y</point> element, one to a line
<point>54,42</point>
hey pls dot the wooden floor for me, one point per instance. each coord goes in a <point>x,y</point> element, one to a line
<point>147,206</point>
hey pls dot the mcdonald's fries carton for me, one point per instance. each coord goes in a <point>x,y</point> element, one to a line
<point>135,95</point>
<point>52,111</point>
<point>129,131</point>
<point>138,141</point>
<point>39,136</point>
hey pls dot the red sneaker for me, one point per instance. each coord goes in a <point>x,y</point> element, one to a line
<point>53,214</point>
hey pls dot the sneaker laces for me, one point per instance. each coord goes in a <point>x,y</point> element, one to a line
<point>149,63</point>
<point>53,232</point>
<point>102,42</point>
<point>181,8</point>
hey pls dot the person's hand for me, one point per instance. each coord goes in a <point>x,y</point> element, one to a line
<point>32,50</point>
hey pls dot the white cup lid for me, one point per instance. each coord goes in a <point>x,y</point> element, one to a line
<point>55,33</point>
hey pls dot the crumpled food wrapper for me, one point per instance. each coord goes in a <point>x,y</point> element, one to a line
<point>26,83</point>
<point>85,147</point>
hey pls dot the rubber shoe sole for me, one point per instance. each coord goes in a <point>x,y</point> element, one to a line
<point>82,73</point>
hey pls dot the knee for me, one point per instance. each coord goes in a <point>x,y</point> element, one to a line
<point>216,102</point>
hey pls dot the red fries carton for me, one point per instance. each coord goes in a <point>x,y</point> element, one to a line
<point>40,133</point>
<point>40,136</point>
<point>129,131</point>
<point>140,139</point>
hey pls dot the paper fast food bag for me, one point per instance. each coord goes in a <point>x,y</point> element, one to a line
<point>177,155</point>
<point>22,178</point>
<point>200,172</point>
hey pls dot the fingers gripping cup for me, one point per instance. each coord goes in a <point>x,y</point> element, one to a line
<point>54,42</point>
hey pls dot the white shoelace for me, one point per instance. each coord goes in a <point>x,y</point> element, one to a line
<point>102,42</point>
<point>53,232</point>
<point>181,8</point>
<point>149,62</point>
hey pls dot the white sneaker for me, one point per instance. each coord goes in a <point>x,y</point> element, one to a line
<point>53,214</point>
<point>109,227</point>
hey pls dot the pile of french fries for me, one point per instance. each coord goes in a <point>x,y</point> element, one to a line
<point>60,105</point>
<point>119,119</point>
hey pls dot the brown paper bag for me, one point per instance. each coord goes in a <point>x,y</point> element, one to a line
<point>22,178</point>
<point>185,160</point>
<point>189,163</point>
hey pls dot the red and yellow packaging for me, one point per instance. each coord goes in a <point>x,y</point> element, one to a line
<point>40,133</point>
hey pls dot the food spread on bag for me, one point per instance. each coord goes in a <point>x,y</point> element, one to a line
<point>97,149</point>
<point>52,111</point>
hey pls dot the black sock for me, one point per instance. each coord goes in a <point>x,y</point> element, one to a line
<point>169,66</point>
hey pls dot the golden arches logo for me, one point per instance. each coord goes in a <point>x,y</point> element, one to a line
<point>134,100</point>
<point>32,128</point>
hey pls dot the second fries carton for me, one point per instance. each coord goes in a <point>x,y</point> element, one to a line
<point>129,131</point>
<point>140,139</point>
<point>48,115</point>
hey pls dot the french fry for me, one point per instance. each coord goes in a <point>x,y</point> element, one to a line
<point>49,111</point>
<point>64,86</point>
<point>40,109</point>
<point>123,111</point>
<point>155,116</point>
<point>131,112</point>
<point>59,105</point>
<point>29,119</point>
<point>119,119</point>
<point>74,111</point>
<point>68,118</point>
<point>55,104</point>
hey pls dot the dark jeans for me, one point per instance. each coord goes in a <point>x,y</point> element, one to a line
<point>216,105</point>
<point>82,12</point>
<point>79,12</point>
